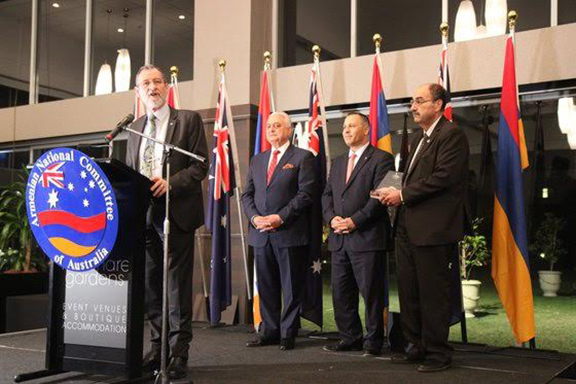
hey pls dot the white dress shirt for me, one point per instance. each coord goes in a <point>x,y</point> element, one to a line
<point>282,150</point>
<point>358,153</point>
<point>162,116</point>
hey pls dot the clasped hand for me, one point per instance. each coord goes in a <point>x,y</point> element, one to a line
<point>267,223</point>
<point>342,225</point>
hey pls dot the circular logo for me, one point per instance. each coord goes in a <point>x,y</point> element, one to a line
<point>72,209</point>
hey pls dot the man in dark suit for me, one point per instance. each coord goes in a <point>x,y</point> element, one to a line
<point>185,130</point>
<point>429,224</point>
<point>359,232</point>
<point>277,199</point>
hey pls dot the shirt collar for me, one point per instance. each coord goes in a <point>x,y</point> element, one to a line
<point>161,113</point>
<point>282,148</point>
<point>431,129</point>
<point>359,151</point>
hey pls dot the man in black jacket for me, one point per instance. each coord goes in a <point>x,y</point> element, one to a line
<point>429,224</point>
<point>185,130</point>
<point>359,233</point>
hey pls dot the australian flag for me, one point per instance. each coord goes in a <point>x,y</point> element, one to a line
<point>221,187</point>
<point>313,141</point>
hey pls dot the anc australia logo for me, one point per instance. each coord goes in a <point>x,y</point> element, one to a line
<point>72,209</point>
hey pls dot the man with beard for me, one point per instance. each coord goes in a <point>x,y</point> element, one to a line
<point>183,129</point>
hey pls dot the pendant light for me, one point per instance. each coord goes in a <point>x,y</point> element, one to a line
<point>104,79</point>
<point>496,15</point>
<point>123,69</point>
<point>465,28</point>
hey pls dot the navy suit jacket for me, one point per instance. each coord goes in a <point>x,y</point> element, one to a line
<point>185,130</point>
<point>353,200</point>
<point>289,195</point>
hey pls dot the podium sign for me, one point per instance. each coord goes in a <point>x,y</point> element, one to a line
<point>89,217</point>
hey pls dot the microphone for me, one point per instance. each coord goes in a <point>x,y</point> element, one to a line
<point>119,128</point>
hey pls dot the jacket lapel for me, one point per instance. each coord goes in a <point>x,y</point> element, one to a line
<point>361,162</point>
<point>170,130</point>
<point>139,127</point>
<point>283,160</point>
<point>425,145</point>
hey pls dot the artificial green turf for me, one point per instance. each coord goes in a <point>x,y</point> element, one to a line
<point>555,318</point>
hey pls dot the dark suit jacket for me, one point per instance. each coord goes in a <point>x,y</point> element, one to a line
<point>434,189</point>
<point>288,195</point>
<point>185,130</point>
<point>353,200</point>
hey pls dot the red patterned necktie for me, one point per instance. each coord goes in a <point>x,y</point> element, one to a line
<point>272,166</point>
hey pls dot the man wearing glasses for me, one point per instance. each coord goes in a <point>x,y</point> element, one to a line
<point>429,224</point>
<point>185,130</point>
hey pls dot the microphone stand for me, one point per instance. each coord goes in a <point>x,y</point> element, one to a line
<point>163,377</point>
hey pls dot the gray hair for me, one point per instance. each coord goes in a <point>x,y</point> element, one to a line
<point>149,67</point>
<point>285,116</point>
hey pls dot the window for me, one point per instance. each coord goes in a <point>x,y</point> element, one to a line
<point>305,23</point>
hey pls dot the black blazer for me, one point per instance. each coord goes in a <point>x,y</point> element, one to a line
<point>288,195</point>
<point>353,200</point>
<point>435,187</point>
<point>185,130</point>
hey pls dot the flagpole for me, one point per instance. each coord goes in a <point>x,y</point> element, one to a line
<point>237,179</point>
<point>267,61</point>
<point>316,51</point>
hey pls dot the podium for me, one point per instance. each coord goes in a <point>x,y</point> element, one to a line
<point>96,318</point>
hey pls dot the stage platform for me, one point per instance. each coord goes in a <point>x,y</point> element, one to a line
<point>219,355</point>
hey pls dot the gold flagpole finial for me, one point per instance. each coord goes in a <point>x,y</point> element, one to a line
<point>444,28</point>
<point>316,51</point>
<point>222,64</point>
<point>512,16</point>
<point>174,71</point>
<point>377,39</point>
<point>267,59</point>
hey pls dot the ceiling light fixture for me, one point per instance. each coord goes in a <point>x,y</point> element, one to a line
<point>120,30</point>
<point>496,15</point>
<point>465,28</point>
<point>56,5</point>
<point>181,17</point>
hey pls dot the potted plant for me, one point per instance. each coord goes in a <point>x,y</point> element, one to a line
<point>22,265</point>
<point>547,244</point>
<point>474,253</point>
<point>18,251</point>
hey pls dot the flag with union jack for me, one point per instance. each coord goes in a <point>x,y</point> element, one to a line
<point>53,175</point>
<point>312,139</point>
<point>221,188</point>
<point>444,77</point>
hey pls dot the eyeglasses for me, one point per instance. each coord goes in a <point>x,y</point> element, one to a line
<point>419,101</point>
<point>147,83</point>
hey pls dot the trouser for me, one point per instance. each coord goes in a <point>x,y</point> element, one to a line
<point>180,265</point>
<point>281,274</point>
<point>354,273</point>
<point>424,274</point>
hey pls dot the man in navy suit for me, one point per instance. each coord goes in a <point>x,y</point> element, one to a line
<point>359,233</point>
<point>277,199</point>
<point>430,221</point>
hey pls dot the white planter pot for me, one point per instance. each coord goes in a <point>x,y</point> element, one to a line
<point>550,282</point>
<point>471,296</point>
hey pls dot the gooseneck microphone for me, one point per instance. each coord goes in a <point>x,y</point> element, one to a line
<point>119,128</point>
